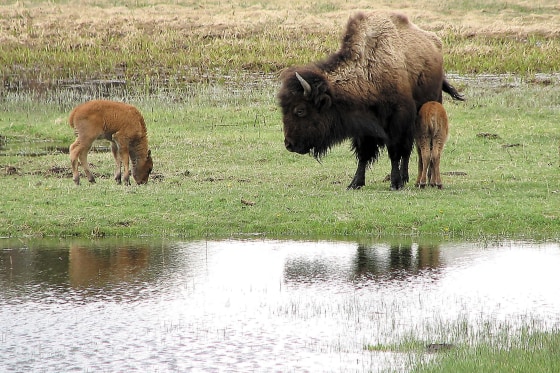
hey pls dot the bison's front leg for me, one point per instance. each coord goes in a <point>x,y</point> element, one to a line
<point>404,168</point>
<point>400,149</point>
<point>396,179</point>
<point>367,151</point>
<point>400,156</point>
<point>359,179</point>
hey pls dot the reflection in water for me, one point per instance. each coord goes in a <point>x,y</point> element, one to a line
<point>258,305</point>
<point>401,262</point>
<point>89,267</point>
<point>74,272</point>
<point>368,262</point>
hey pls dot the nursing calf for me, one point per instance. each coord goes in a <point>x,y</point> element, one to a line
<point>430,134</point>
<point>123,126</point>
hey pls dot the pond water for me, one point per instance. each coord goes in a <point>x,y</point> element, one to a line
<point>260,305</point>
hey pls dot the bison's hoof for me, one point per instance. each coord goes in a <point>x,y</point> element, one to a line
<point>77,181</point>
<point>354,187</point>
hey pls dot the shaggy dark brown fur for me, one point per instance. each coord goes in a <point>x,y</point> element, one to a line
<point>368,91</point>
<point>123,126</point>
<point>430,134</point>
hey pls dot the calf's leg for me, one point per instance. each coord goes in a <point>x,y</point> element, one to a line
<point>74,161</point>
<point>423,150</point>
<point>118,162</point>
<point>78,153</point>
<point>435,179</point>
<point>123,154</point>
<point>419,152</point>
<point>85,165</point>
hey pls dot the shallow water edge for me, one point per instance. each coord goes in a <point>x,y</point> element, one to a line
<point>263,305</point>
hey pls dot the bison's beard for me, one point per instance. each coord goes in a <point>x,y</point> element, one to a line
<point>319,151</point>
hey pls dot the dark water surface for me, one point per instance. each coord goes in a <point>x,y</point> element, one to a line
<point>259,305</point>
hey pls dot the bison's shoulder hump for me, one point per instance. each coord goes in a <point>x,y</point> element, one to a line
<point>399,19</point>
<point>366,34</point>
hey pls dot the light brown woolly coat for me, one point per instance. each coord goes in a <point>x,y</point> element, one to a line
<point>385,52</point>
<point>123,126</point>
<point>431,131</point>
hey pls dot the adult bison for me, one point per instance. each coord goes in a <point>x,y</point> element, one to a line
<point>368,91</point>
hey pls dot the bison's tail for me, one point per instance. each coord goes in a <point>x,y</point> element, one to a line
<point>449,89</point>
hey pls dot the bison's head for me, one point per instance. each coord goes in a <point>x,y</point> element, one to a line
<point>142,168</point>
<point>306,102</point>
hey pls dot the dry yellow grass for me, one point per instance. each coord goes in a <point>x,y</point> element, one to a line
<point>145,39</point>
<point>31,22</point>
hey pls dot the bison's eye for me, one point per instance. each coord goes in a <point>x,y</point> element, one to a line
<point>300,111</point>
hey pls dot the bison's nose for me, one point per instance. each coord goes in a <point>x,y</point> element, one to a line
<point>289,145</point>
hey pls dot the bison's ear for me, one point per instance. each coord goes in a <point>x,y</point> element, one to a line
<point>323,102</point>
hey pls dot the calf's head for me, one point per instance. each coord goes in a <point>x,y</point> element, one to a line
<point>142,168</point>
<point>306,102</point>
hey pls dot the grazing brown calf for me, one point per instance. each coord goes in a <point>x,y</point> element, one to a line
<point>123,126</point>
<point>430,134</point>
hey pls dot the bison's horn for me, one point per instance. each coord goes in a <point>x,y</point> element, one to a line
<point>304,84</point>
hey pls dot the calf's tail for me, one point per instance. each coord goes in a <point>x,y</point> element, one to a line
<point>71,118</point>
<point>450,90</point>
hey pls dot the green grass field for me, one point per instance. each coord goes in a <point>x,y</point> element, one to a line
<point>221,148</point>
